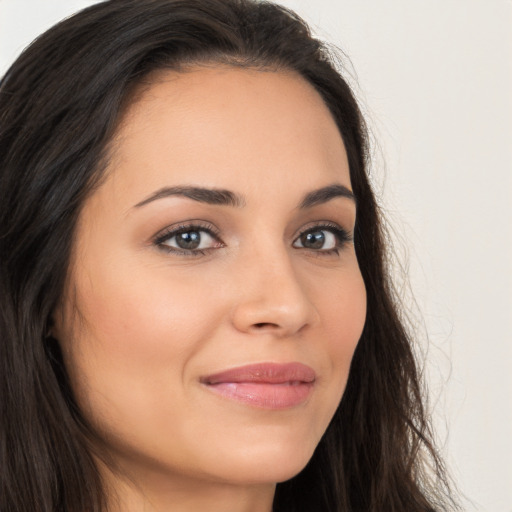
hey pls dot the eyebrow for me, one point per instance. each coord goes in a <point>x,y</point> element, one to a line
<point>224,197</point>
<point>325,194</point>
<point>203,195</point>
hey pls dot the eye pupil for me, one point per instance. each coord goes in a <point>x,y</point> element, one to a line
<point>313,239</point>
<point>188,239</point>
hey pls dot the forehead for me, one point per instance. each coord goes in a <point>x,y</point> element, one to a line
<point>225,126</point>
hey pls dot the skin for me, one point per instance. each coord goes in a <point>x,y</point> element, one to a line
<point>139,325</point>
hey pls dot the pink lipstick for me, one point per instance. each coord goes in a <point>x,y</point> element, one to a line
<point>264,385</point>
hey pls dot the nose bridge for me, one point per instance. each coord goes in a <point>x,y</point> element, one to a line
<point>272,296</point>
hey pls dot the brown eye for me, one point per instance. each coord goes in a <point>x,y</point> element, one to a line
<point>191,239</point>
<point>313,240</point>
<point>188,240</point>
<point>318,239</point>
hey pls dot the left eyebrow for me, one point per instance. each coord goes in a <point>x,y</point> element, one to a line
<point>325,194</point>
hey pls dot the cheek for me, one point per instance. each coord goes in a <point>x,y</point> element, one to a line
<point>344,314</point>
<point>137,334</point>
<point>341,305</point>
<point>143,316</point>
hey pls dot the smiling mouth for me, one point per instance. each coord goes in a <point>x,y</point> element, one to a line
<point>264,385</point>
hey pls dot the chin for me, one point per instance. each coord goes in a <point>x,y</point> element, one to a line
<point>266,464</point>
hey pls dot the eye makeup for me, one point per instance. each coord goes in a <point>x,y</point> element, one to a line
<point>188,235</point>
<point>312,238</point>
<point>197,238</point>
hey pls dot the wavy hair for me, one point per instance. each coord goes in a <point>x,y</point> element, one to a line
<point>60,104</point>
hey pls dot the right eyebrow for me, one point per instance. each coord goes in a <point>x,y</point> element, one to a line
<point>201,194</point>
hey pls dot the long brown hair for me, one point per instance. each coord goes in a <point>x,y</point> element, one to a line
<point>59,106</point>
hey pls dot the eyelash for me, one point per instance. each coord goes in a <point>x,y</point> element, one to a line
<point>342,238</point>
<point>173,231</point>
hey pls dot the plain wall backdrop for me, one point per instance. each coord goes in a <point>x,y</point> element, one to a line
<point>435,79</point>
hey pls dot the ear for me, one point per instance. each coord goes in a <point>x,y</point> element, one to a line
<point>60,323</point>
<point>55,322</point>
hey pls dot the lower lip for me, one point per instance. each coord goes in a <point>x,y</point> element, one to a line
<point>265,395</point>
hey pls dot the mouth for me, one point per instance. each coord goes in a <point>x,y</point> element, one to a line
<point>264,385</point>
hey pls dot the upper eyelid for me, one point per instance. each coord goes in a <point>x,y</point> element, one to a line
<point>199,225</point>
<point>326,224</point>
<point>175,229</point>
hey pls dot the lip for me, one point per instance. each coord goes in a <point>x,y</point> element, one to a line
<point>264,385</point>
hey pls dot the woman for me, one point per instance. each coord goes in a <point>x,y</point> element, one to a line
<point>196,313</point>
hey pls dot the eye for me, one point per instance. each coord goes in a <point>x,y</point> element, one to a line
<point>188,240</point>
<point>325,238</point>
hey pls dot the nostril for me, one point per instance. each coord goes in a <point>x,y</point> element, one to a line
<point>261,325</point>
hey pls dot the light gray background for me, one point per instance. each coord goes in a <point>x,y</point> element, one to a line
<point>435,78</point>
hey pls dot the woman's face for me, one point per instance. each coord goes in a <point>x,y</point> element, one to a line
<point>221,238</point>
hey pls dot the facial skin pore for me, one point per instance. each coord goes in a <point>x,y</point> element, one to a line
<point>145,320</point>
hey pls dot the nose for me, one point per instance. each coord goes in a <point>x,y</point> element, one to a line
<point>271,297</point>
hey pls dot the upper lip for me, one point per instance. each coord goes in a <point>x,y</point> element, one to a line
<point>271,373</point>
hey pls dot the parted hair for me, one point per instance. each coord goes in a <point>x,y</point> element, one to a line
<point>60,104</point>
